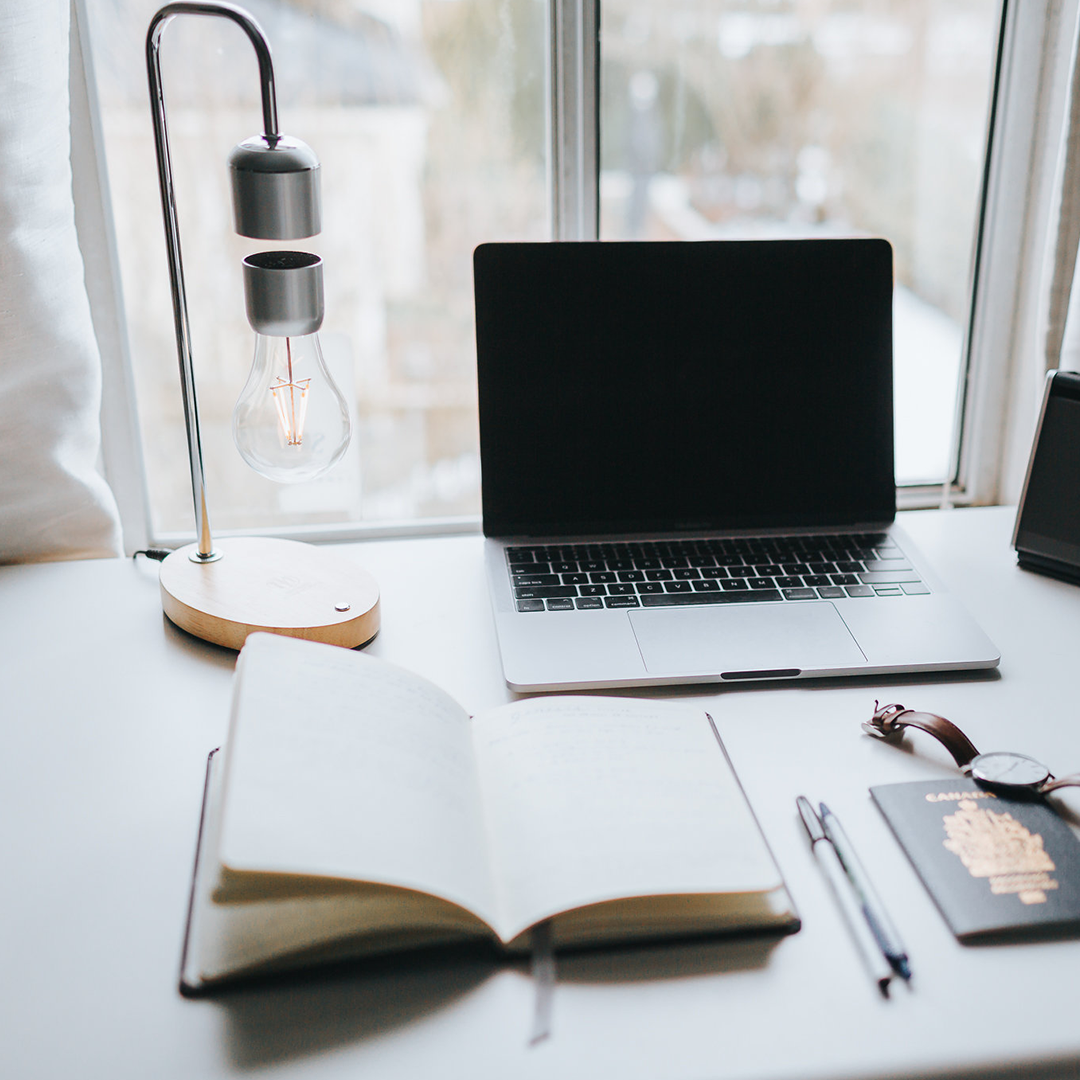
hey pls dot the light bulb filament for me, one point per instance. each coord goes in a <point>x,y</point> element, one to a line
<point>290,399</point>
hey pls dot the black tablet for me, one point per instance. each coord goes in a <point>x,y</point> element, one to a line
<point>1047,535</point>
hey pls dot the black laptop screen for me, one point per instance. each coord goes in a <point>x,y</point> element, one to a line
<point>671,387</point>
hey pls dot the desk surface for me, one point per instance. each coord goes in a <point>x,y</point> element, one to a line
<point>110,711</point>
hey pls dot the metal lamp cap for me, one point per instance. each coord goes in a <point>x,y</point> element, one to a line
<point>275,188</point>
<point>283,291</point>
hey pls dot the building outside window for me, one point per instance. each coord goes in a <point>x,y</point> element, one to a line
<point>433,120</point>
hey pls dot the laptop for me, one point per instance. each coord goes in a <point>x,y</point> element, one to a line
<point>687,467</point>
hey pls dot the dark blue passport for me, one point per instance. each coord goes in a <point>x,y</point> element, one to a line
<point>995,866</point>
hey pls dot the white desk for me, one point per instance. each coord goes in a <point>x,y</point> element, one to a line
<point>109,713</point>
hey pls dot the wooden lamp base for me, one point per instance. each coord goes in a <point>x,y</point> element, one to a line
<point>279,586</point>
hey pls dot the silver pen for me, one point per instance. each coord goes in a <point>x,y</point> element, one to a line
<point>876,915</point>
<point>847,897</point>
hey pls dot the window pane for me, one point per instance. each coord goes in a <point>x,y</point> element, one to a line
<point>761,118</point>
<point>429,120</point>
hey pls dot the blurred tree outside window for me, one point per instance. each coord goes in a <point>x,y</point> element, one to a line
<point>769,118</point>
<point>429,119</point>
<point>719,118</point>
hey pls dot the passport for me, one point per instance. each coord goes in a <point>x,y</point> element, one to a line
<point>996,866</point>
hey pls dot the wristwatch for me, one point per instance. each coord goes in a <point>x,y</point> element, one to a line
<point>1003,770</point>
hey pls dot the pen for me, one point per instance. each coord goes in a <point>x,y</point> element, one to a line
<point>880,923</point>
<point>846,896</point>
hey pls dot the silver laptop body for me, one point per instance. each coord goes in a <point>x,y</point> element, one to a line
<point>687,463</point>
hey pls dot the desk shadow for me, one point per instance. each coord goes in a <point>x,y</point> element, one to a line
<point>869,682</point>
<point>688,958</point>
<point>288,1017</point>
<point>204,650</point>
<point>284,1018</point>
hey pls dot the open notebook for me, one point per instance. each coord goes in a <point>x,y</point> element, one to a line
<point>356,809</point>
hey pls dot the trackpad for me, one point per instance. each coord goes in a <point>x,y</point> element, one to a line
<point>727,640</point>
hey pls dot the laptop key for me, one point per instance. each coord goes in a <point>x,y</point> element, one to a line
<point>545,592</point>
<point>560,605</point>
<point>575,579</point>
<point>591,590</point>
<point>886,564</point>
<point>678,586</point>
<point>848,566</point>
<point>650,587</point>
<point>799,594</point>
<point>589,602</point>
<point>530,605</point>
<point>673,599</point>
<point>859,590</point>
<point>536,580</point>
<point>623,589</point>
<point>831,592</point>
<point>890,577</point>
<point>914,588</point>
<point>624,601</point>
<point>530,568</point>
<point>760,582</point>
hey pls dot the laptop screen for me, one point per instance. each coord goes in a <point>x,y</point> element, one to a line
<point>680,387</point>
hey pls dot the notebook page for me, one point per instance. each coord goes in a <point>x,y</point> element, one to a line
<point>345,766</point>
<point>591,799</point>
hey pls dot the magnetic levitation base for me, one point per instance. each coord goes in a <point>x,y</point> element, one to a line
<point>279,586</point>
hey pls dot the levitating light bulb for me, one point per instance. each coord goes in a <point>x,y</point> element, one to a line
<point>291,422</point>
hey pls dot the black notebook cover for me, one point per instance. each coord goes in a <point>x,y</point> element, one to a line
<point>995,866</point>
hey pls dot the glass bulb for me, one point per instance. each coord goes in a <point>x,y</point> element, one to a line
<point>290,422</point>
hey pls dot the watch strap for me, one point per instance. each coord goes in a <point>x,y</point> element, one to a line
<point>890,720</point>
<point>1062,781</point>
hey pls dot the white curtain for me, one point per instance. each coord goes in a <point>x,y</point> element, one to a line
<point>54,503</point>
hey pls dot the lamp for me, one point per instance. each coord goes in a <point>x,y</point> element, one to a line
<point>291,421</point>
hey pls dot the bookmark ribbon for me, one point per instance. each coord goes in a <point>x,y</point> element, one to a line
<point>543,975</point>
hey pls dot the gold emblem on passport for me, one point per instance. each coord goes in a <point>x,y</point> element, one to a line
<point>996,846</point>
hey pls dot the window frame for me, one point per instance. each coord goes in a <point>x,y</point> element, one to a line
<point>997,404</point>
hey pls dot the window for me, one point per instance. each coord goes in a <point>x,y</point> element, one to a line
<point>429,120</point>
<point>761,118</point>
<point>445,123</point>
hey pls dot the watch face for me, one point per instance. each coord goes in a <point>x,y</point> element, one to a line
<point>1011,770</point>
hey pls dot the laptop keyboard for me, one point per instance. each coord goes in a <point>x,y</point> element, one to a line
<point>667,573</point>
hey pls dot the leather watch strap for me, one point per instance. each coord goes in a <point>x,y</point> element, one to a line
<point>890,720</point>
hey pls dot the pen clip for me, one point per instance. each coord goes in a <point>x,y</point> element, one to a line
<point>810,820</point>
